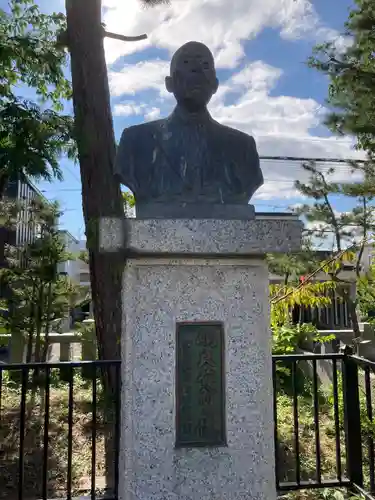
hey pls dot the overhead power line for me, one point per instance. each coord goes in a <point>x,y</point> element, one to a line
<point>276,159</point>
<point>316,160</point>
<point>329,138</point>
<point>76,190</point>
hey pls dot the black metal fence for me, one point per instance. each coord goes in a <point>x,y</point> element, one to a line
<point>59,430</point>
<point>324,428</point>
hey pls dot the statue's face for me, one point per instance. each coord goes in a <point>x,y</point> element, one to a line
<point>193,77</point>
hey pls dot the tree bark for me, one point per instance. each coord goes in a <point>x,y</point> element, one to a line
<point>354,317</point>
<point>4,178</point>
<point>101,196</point>
<point>352,306</point>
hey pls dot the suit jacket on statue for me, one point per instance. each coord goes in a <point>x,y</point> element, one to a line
<point>183,159</point>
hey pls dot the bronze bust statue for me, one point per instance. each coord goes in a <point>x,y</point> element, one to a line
<point>188,164</point>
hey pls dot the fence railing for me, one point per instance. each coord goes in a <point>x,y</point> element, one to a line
<point>59,432</point>
<point>59,429</point>
<point>68,346</point>
<point>324,428</point>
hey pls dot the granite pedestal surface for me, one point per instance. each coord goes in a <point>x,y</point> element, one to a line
<point>198,270</point>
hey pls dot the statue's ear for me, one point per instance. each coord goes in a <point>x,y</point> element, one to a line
<point>169,84</point>
<point>216,86</point>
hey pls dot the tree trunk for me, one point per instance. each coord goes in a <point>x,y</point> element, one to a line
<point>4,178</point>
<point>349,296</point>
<point>101,196</point>
<point>330,310</point>
<point>352,306</point>
<point>354,317</point>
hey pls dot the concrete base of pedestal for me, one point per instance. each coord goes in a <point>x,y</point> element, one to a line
<point>159,294</point>
<point>219,281</point>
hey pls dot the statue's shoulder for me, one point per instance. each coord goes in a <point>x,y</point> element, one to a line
<point>142,132</point>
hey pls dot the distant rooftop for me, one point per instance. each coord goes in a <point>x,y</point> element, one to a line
<point>276,215</point>
<point>69,234</point>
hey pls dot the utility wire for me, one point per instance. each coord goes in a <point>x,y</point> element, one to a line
<point>75,190</point>
<point>281,159</point>
<point>311,159</point>
<point>275,159</point>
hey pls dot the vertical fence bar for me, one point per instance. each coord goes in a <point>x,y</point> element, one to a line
<point>370,441</point>
<point>352,420</point>
<point>45,437</point>
<point>70,434</point>
<point>1,387</point>
<point>274,379</point>
<point>24,380</point>
<point>316,423</point>
<point>337,420</point>
<point>296,424</point>
<point>93,434</point>
<point>117,426</point>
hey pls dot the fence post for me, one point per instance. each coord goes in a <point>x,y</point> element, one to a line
<point>89,353</point>
<point>65,356</point>
<point>17,347</point>
<point>352,418</point>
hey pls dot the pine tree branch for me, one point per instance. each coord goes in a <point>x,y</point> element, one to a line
<point>314,273</point>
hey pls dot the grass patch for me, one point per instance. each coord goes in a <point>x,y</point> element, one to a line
<point>327,433</point>
<point>307,444</point>
<point>57,470</point>
<point>324,494</point>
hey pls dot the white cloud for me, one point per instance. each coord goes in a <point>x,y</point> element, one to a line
<point>221,24</point>
<point>137,77</point>
<point>131,108</point>
<point>282,125</point>
<point>127,109</point>
<point>255,111</point>
<point>256,77</point>
<point>152,114</point>
<point>349,234</point>
<point>280,179</point>
<point>276,188</point>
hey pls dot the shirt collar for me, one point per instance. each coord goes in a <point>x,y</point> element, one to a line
<point>179,114</point>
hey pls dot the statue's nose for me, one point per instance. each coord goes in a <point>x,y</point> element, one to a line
<point>196,68</point>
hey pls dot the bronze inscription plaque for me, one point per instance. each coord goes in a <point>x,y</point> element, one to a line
<point>200,388</point>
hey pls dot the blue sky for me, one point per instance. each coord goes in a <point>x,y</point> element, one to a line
<point>260,46</point>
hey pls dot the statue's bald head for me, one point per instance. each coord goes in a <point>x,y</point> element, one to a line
<point>196,50</point>
<point>192,75</point>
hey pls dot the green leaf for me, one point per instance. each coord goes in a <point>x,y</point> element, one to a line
<point>33,136</point>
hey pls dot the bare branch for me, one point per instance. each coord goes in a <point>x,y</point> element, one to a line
<point>124,38</point>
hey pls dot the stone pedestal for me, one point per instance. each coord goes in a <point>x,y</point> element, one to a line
<point>198,270</point>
